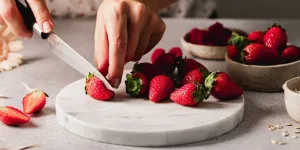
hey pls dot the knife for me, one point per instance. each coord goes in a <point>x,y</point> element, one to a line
<point>61,49</point>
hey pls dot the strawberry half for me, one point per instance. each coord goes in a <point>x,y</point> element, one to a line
<point>276,38</point>
<point>197,75</point>
<point>13,116</point>
<point>290,54</point>
<point>157,52</point>
<point>187,65</point>
<point>97,90</point>
<point>189,95</point>
<point>137,84</point>
<point>34,102</point>
<point>176,52</point>
<point>161,87</point>
<point>222,87</point>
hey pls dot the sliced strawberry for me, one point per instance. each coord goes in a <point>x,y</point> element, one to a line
<point>12,116</point>
<point>34,102</point>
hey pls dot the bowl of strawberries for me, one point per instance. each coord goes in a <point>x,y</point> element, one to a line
<point>208,43</point>
<point>263,61</point>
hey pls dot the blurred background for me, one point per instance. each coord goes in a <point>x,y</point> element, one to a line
<point>258,9</point>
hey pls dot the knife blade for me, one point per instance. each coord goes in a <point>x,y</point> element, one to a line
<point>60,48</point>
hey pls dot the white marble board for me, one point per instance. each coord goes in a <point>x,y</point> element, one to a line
<point>140,122</point>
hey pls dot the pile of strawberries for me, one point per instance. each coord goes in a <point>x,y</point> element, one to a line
<point>216,35</point>
<point>263,47</point>
<point>192,83</point>
<point>33,102</point>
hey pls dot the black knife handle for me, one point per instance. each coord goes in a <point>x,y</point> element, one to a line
<point>28,17</point>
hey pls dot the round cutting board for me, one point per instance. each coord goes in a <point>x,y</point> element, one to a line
<point>140,122</point>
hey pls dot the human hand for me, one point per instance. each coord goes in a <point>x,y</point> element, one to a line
<point>10,16</point>
<point>125,31</point>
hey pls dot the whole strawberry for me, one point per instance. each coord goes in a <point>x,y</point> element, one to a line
<point>276,38</point>
<point>222,87</point>
<point>197,75</point>
<point>256,36</point>
<point>137,84</point>
<point>166,63</point>
<point>147,69</point>
<point>197,36</point>
<point>290,54</point>
<point>161,87</point>
<point>157,52</point>
<point>176,52</point>
<point>189,95</point>
<point>97,90</point>
<point>233,53</point>
<point>259,54</point>
<point>34,102</point>
<point>187,65</point>
<point>12,116</point>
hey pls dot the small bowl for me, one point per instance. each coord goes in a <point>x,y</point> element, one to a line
<point>292,99</point>
<point>262,78</point>
<point>204,51</point>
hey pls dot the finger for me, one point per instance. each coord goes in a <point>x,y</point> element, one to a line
<point>2,21</point>
<point>157,35</point>
<point>13,19</point>
<point>42,15</point>
<point>101,54</point>
<point>136,22</point>
<point>116,27</point>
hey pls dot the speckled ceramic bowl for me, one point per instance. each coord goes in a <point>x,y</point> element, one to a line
<point>262,78</point>
<point>292,99</point>
<point>203,51</point>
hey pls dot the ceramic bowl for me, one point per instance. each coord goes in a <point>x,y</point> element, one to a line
<point>203,51</point>
<point>292,99</point>
<point>262,78</point>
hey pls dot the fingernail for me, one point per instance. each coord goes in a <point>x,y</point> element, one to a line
<point>47,27</point>
<point>116,82</point>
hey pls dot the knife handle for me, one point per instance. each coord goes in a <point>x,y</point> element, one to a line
<point>29,19</point>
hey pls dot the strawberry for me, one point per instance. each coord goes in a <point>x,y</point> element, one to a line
<point>12,116</point>
<point>34,102</point>
<point>137,84</point>
<point>233,52</point>
<point>161,87</point>
<point>197,36</point>
<point>176,52</point>
<point>259,54</point>
<point>239,41</point>
<point>187,65</point>
<point>166,63</point>
<point>96,89</point>
<point>147,69</point>
<point>157,52</point>
<point>275,38</point>
<point>222,87</point>
<point>290,54</point>
<point>189,95</point>
<point>197,75</point>
<point>256,36</point>
<point>218,34</point>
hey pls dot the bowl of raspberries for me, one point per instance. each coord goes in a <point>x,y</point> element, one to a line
<point>208,43</point>
<point>264,60</point>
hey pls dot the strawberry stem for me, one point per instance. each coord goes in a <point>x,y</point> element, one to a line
<point>239,41</point>
<point>209,81</point>
<point>133,85</point>
<point>200,93</point>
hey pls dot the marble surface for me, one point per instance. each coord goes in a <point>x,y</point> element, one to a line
<point>44,70</point>
<point>140,122</point>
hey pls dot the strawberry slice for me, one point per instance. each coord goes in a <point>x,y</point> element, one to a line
<point>12,116</point>
<point>34,101</point>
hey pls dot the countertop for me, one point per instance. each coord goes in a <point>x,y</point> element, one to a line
<point>44,70</point>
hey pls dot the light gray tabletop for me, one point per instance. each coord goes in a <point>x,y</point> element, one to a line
<point>44,70</point>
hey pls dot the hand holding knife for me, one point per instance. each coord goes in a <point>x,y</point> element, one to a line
<point>60,48</point>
